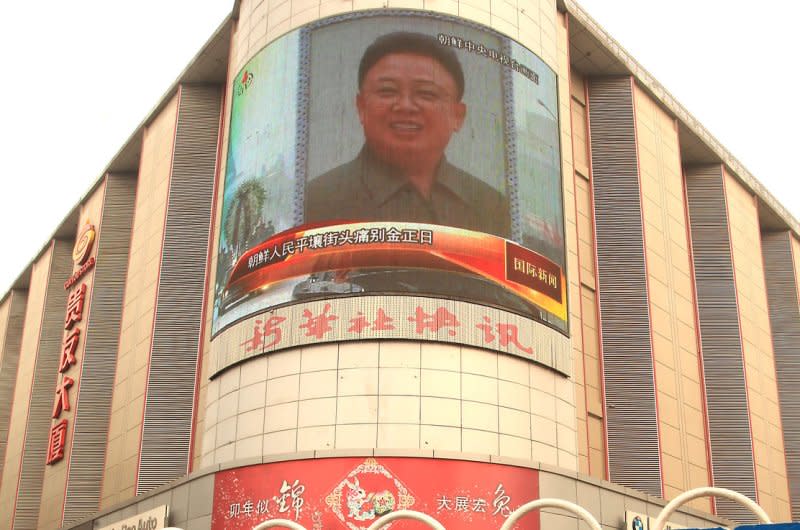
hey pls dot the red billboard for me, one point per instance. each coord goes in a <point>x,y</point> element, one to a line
<point>352,493</point>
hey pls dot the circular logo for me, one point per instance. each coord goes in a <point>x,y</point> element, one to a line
<point>83,245</point>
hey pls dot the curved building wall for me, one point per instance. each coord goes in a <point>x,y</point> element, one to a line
<point>390,395</point>
<point>443,393</point>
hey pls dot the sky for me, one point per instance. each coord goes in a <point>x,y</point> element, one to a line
<point>79,77</point>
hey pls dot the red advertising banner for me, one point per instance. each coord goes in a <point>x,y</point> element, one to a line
<point>347,249</point>
<point>352,493</point>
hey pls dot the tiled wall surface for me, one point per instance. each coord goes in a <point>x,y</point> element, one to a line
<point>762,391</point>
<point>672,307</point>
<point>189,502</point>
<point>139,307</point>
<point>390,394</point>
<point>586,338</point>
<point>572,241</point>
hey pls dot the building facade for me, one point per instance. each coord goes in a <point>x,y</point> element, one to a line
<point>269,306</point>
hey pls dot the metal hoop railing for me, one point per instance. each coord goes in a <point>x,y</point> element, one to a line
<point>285,523</point>
<point>406,514</point>
<point>436,525</point>
<point>571,507</point>
<point>708,491</point>
<point>550,503</point>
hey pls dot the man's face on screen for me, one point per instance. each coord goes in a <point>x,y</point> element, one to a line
<point>408,108</point>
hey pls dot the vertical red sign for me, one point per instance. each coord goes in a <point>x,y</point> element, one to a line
<point>76,299</point>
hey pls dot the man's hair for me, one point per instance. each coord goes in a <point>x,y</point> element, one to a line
<point>416,43</point>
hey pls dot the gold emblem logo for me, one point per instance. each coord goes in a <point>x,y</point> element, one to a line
<point>83,245</point>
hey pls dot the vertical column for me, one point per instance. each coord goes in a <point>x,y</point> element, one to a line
<point>726,387</point>
<point>34,393</point>
<point>781,277</point>
<point>43,390</point>
<point>101,341</point>
<point>591,431</point>
<point>673,325</point>
<point>12,320</point>
<point>631,412</point>
<point>138,313</point>
<point>169,402</point>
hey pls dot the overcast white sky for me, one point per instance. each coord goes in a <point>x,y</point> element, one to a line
<point>78,77</point>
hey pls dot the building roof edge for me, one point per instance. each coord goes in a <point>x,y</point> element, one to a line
<point>674,107</point>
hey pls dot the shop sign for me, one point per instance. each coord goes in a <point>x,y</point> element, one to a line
<point>76,298</point>
<point>154,519</point>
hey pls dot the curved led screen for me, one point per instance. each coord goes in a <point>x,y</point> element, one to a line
<point>393,153</point>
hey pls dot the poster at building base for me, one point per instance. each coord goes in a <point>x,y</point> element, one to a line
<point>352,493</point>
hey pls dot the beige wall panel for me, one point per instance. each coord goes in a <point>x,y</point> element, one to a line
<point>587,343</point>
<point>204,372</point>
<point>762,391</point>
<point>572,247</point>
<point>671,298</point>
<point>577,87</point>
<point>5,312</point>
<point>393,395</point>
<point>597,447</point>
<point>19,412</point>
<point>795,244</point>
<point>580,136</point>
<point>139,304</point>
<point>54,485</point>
<point>12,319</point>
<point>576,437</point>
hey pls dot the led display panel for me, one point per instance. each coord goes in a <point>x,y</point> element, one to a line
<point>393,153</point>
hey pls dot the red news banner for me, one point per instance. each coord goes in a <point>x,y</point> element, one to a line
<point>352,493</point>
<point>311,249</point>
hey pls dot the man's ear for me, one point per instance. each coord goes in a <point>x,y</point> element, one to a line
<point>459,113</point>
<point>360,107</point>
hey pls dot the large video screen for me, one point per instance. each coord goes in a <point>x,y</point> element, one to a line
<point>393,153</point>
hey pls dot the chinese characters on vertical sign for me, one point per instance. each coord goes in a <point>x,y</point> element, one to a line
<point>68,361</point>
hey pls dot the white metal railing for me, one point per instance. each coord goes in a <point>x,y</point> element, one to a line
<point>708,491</point>
<point>406,514</point>
<point>538,504</point>
<point>436,525</point>
<point>285,523</point>
<point>550,503</point>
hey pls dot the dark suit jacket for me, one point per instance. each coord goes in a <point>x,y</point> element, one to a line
<point>366,189</point>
